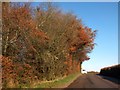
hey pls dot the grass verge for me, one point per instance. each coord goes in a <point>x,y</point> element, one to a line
<point>61,83</point>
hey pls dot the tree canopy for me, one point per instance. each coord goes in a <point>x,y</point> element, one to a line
<point>41,43</point>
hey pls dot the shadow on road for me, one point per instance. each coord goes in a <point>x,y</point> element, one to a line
<point>114,80</point>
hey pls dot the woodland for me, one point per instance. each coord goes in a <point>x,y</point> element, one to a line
<point>41,43</point>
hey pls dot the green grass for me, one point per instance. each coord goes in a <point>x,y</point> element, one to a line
<point>59,83</point>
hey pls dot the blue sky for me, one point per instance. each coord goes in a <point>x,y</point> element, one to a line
<point>103,17</point>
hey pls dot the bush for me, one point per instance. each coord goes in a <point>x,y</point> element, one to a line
<point>113,71</point>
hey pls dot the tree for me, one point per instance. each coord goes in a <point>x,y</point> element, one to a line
<point>43,42</point>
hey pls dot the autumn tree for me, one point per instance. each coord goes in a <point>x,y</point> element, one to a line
<point>67,36</point>
<point>42,42</point>
<point>20,35</point>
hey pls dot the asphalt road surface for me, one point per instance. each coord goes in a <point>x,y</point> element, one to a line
<point>93,81</point>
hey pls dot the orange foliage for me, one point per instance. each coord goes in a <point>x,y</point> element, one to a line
<point>73,49</point>
<point>21,27</point>
<point>20,73</point>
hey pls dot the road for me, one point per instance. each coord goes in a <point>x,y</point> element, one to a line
<point>92,81</point>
